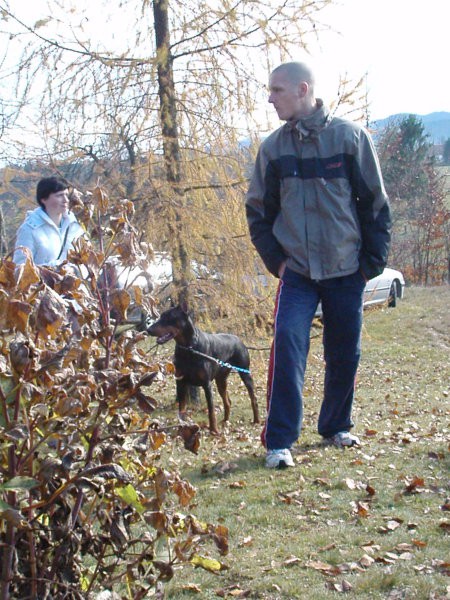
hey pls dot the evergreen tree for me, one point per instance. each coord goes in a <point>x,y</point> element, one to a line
<point>416,191</point>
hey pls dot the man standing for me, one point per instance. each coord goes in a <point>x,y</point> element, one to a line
<point>319,218</point>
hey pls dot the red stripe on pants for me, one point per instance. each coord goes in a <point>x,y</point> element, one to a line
<point>271,364</point>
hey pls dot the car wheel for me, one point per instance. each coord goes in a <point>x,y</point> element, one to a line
<point>392,299</point>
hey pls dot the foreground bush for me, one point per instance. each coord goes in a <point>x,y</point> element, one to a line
<point>85,505</point>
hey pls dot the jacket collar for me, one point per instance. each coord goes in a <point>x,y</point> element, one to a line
<point>310,126</point>
<point>38,217</point>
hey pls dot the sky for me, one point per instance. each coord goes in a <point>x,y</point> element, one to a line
<point>402,45</point>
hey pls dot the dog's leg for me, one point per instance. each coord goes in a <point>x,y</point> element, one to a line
<point>194,395</point>
<point>211,414</point>
<point>182,398</point>
<point>221,381</point>
<point>248,382</point>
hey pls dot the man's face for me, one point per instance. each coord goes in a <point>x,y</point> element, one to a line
<point>285,96</point>
<point>57,203</point>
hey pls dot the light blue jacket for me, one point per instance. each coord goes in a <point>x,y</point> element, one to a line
<point>45,239</point>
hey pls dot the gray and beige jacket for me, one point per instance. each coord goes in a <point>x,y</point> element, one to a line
<point>317,199</point>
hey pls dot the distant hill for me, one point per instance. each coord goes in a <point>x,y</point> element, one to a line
<point>436,125</point>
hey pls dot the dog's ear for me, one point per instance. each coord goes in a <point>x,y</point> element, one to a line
<point>184,307</point>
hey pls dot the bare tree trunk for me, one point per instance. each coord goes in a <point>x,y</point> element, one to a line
<point>3,241</point>
<point>171,149</point>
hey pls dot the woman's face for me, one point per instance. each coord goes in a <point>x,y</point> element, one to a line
<point>57,203</point>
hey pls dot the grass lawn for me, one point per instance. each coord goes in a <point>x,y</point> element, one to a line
<point>371,522</point>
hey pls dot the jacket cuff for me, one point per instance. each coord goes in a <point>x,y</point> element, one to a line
<point>369,268</point>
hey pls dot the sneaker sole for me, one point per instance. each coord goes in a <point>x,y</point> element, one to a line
<point>341,446</point>
<point>281,465</point>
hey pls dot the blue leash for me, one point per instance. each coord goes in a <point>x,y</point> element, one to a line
<point>216,360</point>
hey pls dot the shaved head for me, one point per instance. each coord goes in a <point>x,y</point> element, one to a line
<point>291,88</point>
<point>297,72</point>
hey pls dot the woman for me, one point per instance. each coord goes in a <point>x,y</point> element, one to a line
<point>49,230</point>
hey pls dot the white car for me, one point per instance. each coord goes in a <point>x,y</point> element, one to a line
<point>385,288</point>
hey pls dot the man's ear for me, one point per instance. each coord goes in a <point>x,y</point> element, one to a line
<point>303,88</point>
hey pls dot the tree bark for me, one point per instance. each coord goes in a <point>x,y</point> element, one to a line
<point>171,150</point>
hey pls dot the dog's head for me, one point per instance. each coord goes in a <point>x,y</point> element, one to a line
<point>172,324</point>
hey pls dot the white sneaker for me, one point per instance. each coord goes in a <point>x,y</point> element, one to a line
<point>279,459</point>
<point>343,439</point>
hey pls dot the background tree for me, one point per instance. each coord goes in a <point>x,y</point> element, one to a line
<point>165,114</point>
<point>446,153</point>
<point>417,194</point>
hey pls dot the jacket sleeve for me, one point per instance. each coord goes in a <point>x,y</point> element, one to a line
<point>24,238</point>
<point>262,208</point>
<point>372,207</point>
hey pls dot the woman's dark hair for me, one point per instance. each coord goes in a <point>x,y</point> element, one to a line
<point>49,185</point>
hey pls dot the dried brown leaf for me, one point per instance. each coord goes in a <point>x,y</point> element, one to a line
<point>120,302</point>
<point>50,313</point>
<point>100,198</point>
<point>324,567</point>
<point>28,275</point>
<point>185,491</point>
<point>191,437</point>
<point>18,314</point>
<point>413,485</point>
<point>157,519</point>
<point>366,561</point>
<point>291,560</point>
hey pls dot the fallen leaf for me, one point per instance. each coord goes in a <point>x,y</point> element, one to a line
<point>385,560</point>
<point>411,486</point>
<point>291,497</point>
<point>326,548</point>
<point>234,591</point>
<point>361,509</point>
<point>237,485</point>
<point>366,561</point>
<point>322,481</point>
<point>222,468</point>
<point>342,587</point>
<point>209,564</point>
<point>371,432</point>
<point>391,555</point>
<point>191,587</point>
<point>247,541</point>
<point>324,567</point>
<point>292,560</point>
<point>370,490</point>
<point>404,547</point>
<point>392,525</point>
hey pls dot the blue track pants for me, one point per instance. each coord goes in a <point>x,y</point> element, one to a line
<point>296,304</point>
